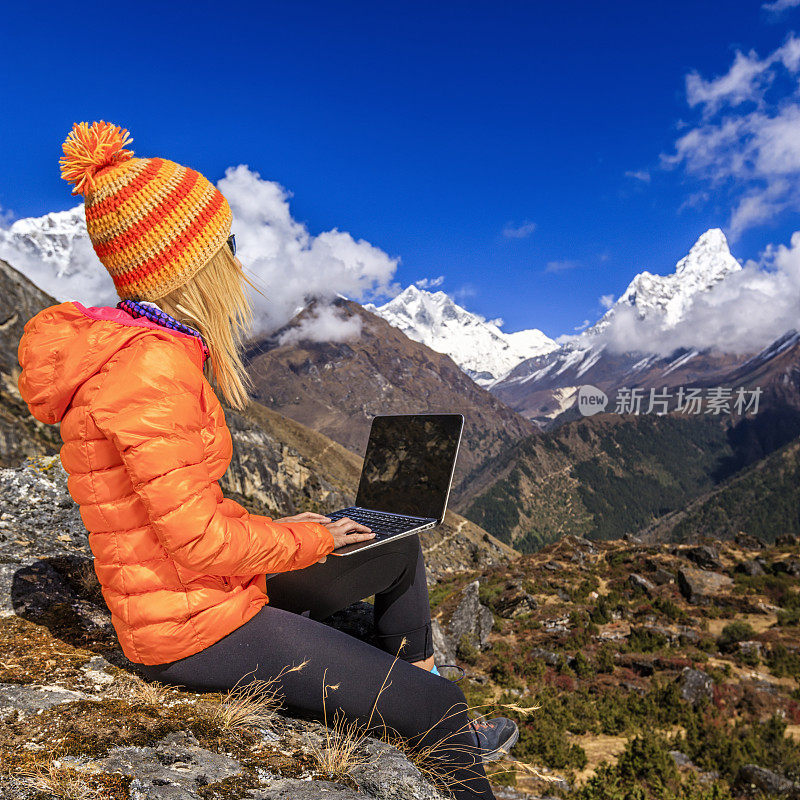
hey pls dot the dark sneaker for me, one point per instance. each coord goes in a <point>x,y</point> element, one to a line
<point>495,736</point>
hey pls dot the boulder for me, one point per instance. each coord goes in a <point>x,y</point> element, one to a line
<point>696,686</point>
<point>387,774</point>
<point>753,567</point>
<point>297,789</point>
<point>698,585</point>
<point>175,767</point>
<point>751,776</point>
<point>471,618</point>
<point>704,556</point>
<point>641,583</point>
<point>444,650</point>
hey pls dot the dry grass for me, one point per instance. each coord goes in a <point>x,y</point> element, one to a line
<point>343,748</point>
<point>137,691</point>
<point>55,779</point>
<point>87,579</point>
<point>250,705</point>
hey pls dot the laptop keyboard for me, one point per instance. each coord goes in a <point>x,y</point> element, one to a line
<point>383,525</point>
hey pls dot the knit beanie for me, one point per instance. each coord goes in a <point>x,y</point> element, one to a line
<point>153,223</point>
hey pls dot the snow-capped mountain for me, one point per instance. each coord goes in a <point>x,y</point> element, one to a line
<point>55,252</point>
<point>478,346</point>
<point>546,385</point>
<point>668,297</point>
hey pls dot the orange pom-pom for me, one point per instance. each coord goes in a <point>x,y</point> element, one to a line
<point>88,149</point>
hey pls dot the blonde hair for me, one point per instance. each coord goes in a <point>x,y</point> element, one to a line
<point>214,302</point>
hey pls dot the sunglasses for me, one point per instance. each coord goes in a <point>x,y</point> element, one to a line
<point>232,243</point>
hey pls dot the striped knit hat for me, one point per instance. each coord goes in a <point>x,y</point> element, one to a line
<point>152,222</point>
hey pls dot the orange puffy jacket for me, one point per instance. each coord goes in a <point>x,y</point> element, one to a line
<point>145,442</point>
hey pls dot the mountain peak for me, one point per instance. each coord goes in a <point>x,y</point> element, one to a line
<point>710,250</point>
<point>669,296</point>
<point>477,345</point>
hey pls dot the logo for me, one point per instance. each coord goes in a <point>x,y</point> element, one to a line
<point>591,400</point>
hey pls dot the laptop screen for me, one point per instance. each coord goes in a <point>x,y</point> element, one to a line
<point>409,463</point>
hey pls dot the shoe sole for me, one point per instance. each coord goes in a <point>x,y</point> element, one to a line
<point>504,748</point>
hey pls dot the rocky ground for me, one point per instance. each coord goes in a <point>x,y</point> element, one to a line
<point>667,670</point>
<point>77,722</point>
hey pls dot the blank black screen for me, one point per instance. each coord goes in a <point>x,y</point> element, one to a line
<point>409,463</point>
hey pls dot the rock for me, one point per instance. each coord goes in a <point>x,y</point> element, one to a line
<point>696,686</point>
<point>767,781</point>
<point>471,619</point>
<point>681,759</point>
<point>704,556</point>
<point>790,566</point>
<point>746,540</point>
<point>31,698</point>
<point>389,775</point>
<point>444,651</point>
<point>786,540</point>
<point>698,585</point>
<point>639,582</point>
<point>753,567</point>
<point>750,649</point>
<point>631,539</point>
<point>515,601</point>
<point>687,635</point>
<point>662,576</point>
<point>549,657</point>
<point>295,789</point>
<point>174,768</point>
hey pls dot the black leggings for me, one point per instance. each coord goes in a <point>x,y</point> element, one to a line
<point>421,707</point>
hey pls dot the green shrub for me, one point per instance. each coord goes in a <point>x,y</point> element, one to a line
<point>733,633</point>
<point>467,650</point>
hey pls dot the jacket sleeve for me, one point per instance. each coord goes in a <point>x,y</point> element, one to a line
<point>149,405</point>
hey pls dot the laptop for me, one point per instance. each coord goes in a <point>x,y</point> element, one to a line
<point>406,476</point>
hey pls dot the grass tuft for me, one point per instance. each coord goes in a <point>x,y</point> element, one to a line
<point>250,705</point>
<point>54,779</point>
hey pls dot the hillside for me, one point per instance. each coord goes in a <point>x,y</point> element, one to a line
<point>599,477</point>
<point>671,669</point>
<point>336,387</point>
<point>279,466</point>
<point>763,500</point>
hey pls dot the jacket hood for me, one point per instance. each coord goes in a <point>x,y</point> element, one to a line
<point>63,346</point>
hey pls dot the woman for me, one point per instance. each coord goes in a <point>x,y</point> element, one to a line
<point>183,569</point>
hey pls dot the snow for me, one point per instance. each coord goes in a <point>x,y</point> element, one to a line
<point>669,296</point>
<point>477,345</point>
<point>662,298</point>
<point>55,252</point>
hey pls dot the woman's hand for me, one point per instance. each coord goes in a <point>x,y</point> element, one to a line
<point>347,531</point>
<point>344,530</point>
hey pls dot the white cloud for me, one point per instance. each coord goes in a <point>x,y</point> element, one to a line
<point>291,264</point>
<point>778,6</point>
<point>730,317</point>
<point>640,175</point>
<point>521,231</point>
<point>560,266</point>
<point>429,283</point>
<point>607,300</point>
<point>288,263</point>
<point>466,291</point>
<point>323,324</point>
<point>743,81</point>
<point>746,140</point>
<point>7,216</point>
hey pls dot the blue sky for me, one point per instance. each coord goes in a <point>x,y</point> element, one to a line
<point>435,130</point>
